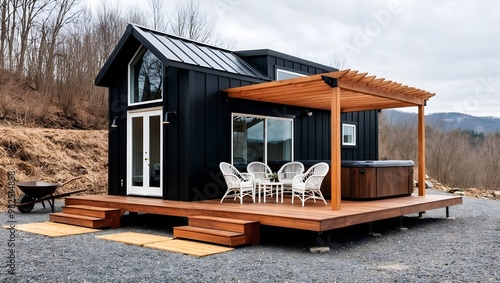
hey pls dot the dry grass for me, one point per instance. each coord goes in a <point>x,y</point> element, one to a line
<point>54,155</point>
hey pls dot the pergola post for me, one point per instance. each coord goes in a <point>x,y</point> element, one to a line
<point>335,150</point>
<point>421,151</point>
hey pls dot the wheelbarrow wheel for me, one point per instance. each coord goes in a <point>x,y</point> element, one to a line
<point>27,208</point>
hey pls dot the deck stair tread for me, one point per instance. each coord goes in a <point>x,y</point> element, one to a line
<point>89,207</point>
<point>214,236</point>
<point>75,216</point>
<point>235,225</point>
<point>210,231</point>
<point>87,210</point>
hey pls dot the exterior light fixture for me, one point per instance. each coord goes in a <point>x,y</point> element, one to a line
<point>306,113</point>
<point>115,122</point>
<point>169,115</point>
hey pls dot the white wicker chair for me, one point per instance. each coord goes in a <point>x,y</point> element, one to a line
<point>239,184</point>
<point>308,185</point>
<point>259,171</point>
<point>287,172</point>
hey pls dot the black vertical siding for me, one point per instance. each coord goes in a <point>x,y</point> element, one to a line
<point>198,139</point>
<point>117,149</point>
<point>367,136</point>
<point>171,164</point>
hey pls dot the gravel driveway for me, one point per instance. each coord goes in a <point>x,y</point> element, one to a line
<point>465,248</point>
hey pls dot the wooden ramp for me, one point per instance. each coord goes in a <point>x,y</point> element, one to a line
<point>316,217</point>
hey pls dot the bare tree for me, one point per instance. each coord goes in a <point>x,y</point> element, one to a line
<point>397,136</point>
<point>5,17</point>
<point>490,162</point>
<point>109,27</point>
<point>159,22</point>
<point>28,12</point>
<point>190,22</point>
<point>338,61</point>
<point>136,16</point>
<point>7,35</point>
<point>65,13</point>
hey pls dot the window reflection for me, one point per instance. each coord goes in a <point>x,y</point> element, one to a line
<point>146,77</point>
<point>261,139</point>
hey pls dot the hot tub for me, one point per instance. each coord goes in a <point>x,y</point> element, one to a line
<point>375,179</point>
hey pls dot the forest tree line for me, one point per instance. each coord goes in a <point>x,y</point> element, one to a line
<point>456,158</point>
<point>52,50</point>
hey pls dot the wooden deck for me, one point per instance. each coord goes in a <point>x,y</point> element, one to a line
<point>313,216</point>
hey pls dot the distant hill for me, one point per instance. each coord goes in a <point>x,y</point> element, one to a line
<point>450,121</point>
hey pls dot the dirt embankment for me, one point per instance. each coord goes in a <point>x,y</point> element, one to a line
<point>54,155</point>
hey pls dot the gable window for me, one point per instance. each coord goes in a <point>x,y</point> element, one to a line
<point>282,74</point>
<point>261,138</point>
<point>348,134</point>
<point>145,78</point>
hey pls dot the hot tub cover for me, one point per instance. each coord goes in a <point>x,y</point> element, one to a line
<point>377,163</point>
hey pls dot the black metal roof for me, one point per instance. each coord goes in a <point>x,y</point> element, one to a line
<point>176,50</point>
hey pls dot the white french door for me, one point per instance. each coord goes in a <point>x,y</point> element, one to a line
<point>144,153</point>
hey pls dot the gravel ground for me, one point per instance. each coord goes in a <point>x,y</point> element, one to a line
<point>464,248</point>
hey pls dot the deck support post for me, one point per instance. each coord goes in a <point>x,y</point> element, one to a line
<point>322,241</point>
<point>421,150</point>
<point>447,212</point>
<point>335,150</point>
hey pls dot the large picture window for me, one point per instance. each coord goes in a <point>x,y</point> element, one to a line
<point>146,77</point>
<point>261,138</point>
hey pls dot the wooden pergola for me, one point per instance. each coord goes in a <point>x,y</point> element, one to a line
<point>343,91</point>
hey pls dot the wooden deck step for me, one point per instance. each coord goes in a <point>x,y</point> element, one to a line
<point>113,214</point>
<point>226,231</point>
<point>88,216</point>
<point>226,238</point>
<point>80,220</point>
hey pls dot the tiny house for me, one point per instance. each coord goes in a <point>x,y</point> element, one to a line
<point>172,121</point>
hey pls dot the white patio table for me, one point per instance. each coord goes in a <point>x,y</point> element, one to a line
<point>266,186</point>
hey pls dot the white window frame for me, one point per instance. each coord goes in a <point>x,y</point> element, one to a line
<point>279,70</point>
<point>353,127</point>
<point>265,132</point>
<point>140,52</point>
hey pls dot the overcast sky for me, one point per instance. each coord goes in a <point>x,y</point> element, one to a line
<point>451,48</point>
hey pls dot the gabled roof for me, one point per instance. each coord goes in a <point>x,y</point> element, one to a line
<point>175,51</point>
<point>358,92</point>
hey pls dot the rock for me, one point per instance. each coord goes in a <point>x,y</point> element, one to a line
<point>429,184</point>
<point>496,194</point>
<point>319,250</point>
<point>459,193</point>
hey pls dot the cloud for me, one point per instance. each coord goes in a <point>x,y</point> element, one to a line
<point>446,47</point>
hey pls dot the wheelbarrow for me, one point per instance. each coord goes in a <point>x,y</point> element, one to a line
<point>36,191</point>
